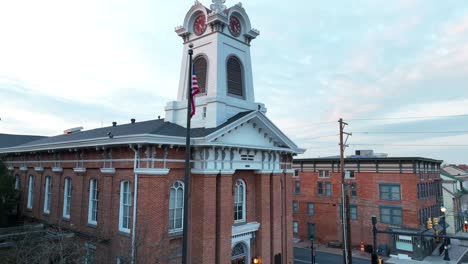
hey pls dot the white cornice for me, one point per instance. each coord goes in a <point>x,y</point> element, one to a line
<point>247,228</point>
<point>39,168</point>
<point>150,171</point>
<point>107,170</point>
<point>57,169</point>
<point>79,170</point>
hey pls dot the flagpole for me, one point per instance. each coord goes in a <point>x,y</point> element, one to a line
<point>187,162</point>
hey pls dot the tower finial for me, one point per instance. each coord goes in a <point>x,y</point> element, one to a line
<point>217,6</point>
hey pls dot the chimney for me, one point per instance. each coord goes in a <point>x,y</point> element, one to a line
<point>132,120</point>
<point>114,124</point>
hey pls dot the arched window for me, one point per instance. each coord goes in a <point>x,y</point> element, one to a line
<point>239,254</point>
<point>235,82</point>
<point>125,205</point>
<point>200,66</point>
<point>67,192</point>
<point>176,207</point>
<point>239,201</point>
<point>93,202</point>
<point>30,192</point>
<point>47,194</point>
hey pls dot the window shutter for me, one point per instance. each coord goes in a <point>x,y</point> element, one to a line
<point>200,67</point>
<point>234,77</point>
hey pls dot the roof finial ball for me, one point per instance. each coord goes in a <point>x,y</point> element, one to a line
<point>217,6</point>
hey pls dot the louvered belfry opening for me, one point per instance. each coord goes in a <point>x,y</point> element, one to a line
<point>234,77</point>
<point>200,67</point>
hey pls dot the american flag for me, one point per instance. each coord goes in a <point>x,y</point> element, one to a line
<point>195,90</point>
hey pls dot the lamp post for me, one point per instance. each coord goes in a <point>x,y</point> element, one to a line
<point>446,256</point>
<point>374,246</point>
<point>312,255</point>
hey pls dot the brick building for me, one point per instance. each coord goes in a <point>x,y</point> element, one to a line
<point>122,186</point>
<point>401,192</point>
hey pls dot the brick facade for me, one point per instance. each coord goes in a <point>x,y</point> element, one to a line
<point>369,174</point>
<point>268,202</point>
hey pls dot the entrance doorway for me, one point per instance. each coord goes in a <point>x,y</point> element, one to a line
<point>239,254</point>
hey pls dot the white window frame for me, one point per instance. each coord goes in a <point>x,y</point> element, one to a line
<point>125,203</point>
<point>67,189</point>
<point>93,202</point>
<point>295,227</point>
<point>30,192</point>
<point>174,208</point>
<point>47,195</point>
<point>324,174</point>
<point>239,200</point>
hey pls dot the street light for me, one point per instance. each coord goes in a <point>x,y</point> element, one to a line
<point>374,246</point>
<point>446,256</point>
<point>312,254</point>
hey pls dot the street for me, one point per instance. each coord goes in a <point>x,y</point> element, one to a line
<point>302,256</point>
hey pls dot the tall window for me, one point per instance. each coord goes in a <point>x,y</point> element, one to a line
<point>125,205</point>
<point>319,188</point>
<point>17,182</point>
<point>353,212</point>
<point>295,207</point>
<point>176,207</point>
<point>67,189</point>
<point>297,187</point>
<point>353,189</point>
<point>390,192</point>
<point>295,227</point>
<point>239,201</point>
<point>47,195</point>
<point>30,192</point>
<point>234,77</point>
<point>328,189</point>
<point>93,202</point>
<point>390,215</point>
<point>200,68</point>
<point>310,209</point>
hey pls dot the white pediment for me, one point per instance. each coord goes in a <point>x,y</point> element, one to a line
<point>254,131</point>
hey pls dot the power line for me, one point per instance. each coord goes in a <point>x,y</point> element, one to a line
<point>412,132</point>
<point>411,145</point>
<point>406,117</point>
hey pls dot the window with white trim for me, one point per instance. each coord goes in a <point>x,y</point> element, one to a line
<point>125,205</point>
<point>67,189</point>
<point>17,182</point>
<point>30,192</point>
<point>93,202</point>
<point>90,257</point>
<point>295,227</point>
<point>47,194</point>
<point>235,77</point>
<point>239,201</point>
<point>176,207</point>
<point>324,174</point>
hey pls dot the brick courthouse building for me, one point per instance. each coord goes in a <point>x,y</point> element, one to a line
<point>122,185</point>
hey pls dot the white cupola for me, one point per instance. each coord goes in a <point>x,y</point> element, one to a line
<point>221,40</point>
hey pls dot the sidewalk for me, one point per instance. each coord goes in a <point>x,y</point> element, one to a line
<point>456,252</point>
<point>335,251</point>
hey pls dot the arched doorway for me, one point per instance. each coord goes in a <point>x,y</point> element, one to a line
<point>239,254</point>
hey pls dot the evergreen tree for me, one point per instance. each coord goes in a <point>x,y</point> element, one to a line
<point>7,194</point>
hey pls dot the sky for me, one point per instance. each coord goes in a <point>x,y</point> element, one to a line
<point>395,71</point>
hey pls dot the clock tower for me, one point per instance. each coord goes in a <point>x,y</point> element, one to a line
<point>221,40</point>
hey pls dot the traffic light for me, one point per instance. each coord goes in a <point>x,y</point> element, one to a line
<point>429,224</point>
<point>437,236</point>
<point>435,221</point>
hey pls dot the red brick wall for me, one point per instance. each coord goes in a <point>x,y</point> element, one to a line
<point>327,218</point>
<point>268,202</point>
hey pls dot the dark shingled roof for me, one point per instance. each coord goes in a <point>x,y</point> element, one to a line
<point>156,127</point>
<point>8,140</point>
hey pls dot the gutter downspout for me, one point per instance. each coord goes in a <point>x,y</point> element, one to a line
<point>135,199</point>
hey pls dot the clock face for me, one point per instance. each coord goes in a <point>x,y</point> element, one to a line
<point>199,25</point>
<point>234,26</point>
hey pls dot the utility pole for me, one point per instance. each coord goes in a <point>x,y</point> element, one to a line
<point>345,216</point>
